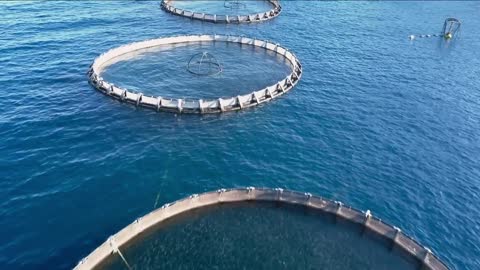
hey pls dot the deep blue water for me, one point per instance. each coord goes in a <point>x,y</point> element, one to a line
<point>377,121</point>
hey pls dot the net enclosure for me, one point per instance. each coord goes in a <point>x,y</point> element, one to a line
<point>204,64</point>
<point>451,27</point>
<point>234,4</point>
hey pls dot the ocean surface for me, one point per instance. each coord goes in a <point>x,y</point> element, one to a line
<point>377,121</point>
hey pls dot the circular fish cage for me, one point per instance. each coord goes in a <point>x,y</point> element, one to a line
<point>211,66</point>
<point>351,222</point>
<point>204,64</point>
<point>274,11</point>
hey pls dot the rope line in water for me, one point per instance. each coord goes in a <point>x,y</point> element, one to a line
<point>116,249</point>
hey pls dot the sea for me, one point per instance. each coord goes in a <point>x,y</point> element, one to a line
<point>378,121</point>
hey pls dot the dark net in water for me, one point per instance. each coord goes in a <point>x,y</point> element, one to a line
<point>257,236</point>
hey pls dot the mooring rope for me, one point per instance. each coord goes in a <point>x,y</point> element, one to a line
<point>116,249</point>
<point>165,174</point>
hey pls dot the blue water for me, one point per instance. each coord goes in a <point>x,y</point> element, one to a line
<point>377,121</point>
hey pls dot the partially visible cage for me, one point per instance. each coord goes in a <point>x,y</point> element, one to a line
<point>451,27</point>
<point>237,17</point>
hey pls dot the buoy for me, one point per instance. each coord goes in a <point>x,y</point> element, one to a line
<point>448,35</point>
<point>275,9</point>
<point>411,37</point>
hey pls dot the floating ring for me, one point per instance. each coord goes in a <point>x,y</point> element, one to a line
<point>216,18</point>
<point>178,105</point>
